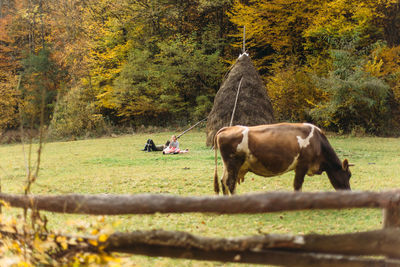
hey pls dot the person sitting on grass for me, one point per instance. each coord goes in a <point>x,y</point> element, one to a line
<point>173,147</point>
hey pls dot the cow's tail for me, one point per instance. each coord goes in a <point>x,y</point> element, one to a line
<point>216,183</point>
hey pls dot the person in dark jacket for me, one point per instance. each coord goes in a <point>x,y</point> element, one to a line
<point>151,146</point>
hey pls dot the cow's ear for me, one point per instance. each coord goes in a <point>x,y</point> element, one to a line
<point>345,165</point>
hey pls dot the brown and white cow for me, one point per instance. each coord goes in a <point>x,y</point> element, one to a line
<point>270,150</point>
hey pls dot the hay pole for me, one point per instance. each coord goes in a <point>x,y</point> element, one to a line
<point>244,39</point>
<point>190,128</point>
<point>240,83</point>
<point>237,96</point>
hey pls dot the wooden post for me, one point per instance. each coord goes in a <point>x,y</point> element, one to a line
<point>391,217</point>
<point>391,214</point>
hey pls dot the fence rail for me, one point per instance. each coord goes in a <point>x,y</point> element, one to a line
<point>351,249</point>
<point>106,204</point>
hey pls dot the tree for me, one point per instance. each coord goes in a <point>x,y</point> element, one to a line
<point>294,92</point>
<point>156,60</point>
<point>40,82</point>
<point>9,100</point>
<point>275,29</point>
<point>356,98</point>
<point>72,29</point>
<point>339,23</point>
<point>8,67</point>
<point>387,15</point>
<point>168,86</point>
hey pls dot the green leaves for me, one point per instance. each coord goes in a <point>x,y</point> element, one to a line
<point>39,84</point>
<point>167,84</point>
<point>356,100</point>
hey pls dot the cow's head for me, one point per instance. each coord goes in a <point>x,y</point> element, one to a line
<point>340,178</point>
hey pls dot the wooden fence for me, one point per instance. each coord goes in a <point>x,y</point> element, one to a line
<point>371,248</point>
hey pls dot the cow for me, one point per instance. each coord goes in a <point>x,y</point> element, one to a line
<point>274,149</point>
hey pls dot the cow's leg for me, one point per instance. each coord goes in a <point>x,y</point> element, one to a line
<point>229,180</point>
<point>232,180</point>
<point>233,168</point>
<point>299,178</point>
<point>224,179</point>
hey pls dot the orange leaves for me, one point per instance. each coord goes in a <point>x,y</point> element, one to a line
<point>9,99</point>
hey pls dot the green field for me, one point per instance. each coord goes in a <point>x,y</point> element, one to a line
<point>118,166</point>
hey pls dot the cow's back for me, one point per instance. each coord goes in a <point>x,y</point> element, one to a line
<point>275,148</point>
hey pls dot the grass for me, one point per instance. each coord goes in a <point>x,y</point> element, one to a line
<point>117,166</point>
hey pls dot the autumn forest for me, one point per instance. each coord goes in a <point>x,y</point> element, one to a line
<point>82,66</point>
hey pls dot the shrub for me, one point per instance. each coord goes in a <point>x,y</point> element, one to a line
<point>385,64</point>
<point>357,99</point>
<point>170,85</point>
<point>74,116</point>
<point>293,93</point>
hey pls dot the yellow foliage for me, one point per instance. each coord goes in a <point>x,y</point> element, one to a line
<point>293,93</point>
<point>278,23</point>
<point>24,264</point>
<point>108,53</point>
<point>62,241</point>
<point>16,247</point>
<point>374,66</point>
<point>38,244</point>
<point>9,99</point>
<point>103,238</point>
<point>36,250</point>
<point>342,17</point>
<point>93,242</point>
<point>386,64</point>
<point>95,232</point>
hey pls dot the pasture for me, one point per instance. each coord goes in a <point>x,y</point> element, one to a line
<point>118,166</point>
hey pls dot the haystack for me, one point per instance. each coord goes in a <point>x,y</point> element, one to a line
<point>253,106</point>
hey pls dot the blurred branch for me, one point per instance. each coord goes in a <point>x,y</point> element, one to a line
<point>283,250</point>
